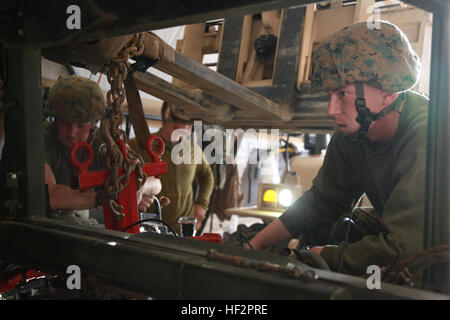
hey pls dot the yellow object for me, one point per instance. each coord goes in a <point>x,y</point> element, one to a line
<point>270,196</point>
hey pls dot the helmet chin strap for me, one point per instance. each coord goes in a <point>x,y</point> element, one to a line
<point>365,116</point>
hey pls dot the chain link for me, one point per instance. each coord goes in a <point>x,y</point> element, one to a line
<point>111,132</point>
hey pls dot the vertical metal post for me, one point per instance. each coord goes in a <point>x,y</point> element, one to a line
<point>437,217</point>
<point>24,143</point>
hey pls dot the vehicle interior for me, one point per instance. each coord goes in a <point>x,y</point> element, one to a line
<point>239,69</point>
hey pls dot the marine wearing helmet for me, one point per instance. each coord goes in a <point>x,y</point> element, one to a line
<point>367,73</point>
<point>381,58</point>
<point>77,104</point>
<point>76,99</point>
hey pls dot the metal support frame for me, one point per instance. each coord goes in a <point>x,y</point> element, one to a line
<point>24,142</point>
<point>137,263</point>
<point>45,243</point>
<point>140,16</point>
<point>437,218</point>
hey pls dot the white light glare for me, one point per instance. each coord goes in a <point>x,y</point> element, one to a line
<point>285,197</point>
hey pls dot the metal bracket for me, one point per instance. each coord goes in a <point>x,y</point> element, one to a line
<point>12,182</point>
<point>143,63</point>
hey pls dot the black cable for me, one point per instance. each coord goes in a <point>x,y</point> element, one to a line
<point>158,207</point>
<point>154,220</point>
<point>305,255</point>
<point>341,258</point>
<point>243,237</point>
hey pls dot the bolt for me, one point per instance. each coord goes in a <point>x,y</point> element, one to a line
<point>11,176</point>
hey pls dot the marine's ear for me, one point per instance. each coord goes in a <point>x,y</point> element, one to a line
<point>388,97</point>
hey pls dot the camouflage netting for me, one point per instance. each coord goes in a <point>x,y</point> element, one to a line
<point>380,57</point>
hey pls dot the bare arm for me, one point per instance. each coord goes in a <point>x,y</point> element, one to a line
<point>274,233</point>
<point>63,197</point>
<point>199,213</point>
<point>151,187</point>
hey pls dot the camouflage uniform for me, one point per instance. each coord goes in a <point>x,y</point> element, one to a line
<point>392,175</point>
<point>74,99</point>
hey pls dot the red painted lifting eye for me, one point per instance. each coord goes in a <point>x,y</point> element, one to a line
<point>81,166</point>
<point>156,156</point>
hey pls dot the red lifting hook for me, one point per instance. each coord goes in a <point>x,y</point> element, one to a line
<point>85,179</point>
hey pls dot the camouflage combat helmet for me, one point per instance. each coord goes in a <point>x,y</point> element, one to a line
<point>76,99</point>
<point>381,57</point>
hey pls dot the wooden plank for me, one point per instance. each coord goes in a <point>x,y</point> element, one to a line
<point>250,68</point>
<point>209,81</point>
<point>271,21</point>
<point>229,48</point>
<point>210,42</point>
<point>306,49</point>
<point>361,10</point>
<point>136,112</point>
<point>193,103</point>
<point>283,88</point>
<point>193,41</point>
<point>308,125</point>
<point>288,53</point>
<point>244,47</point>
<point>258,83</point>
<point>191,47</point>
<point>336,4</point>
<point>253,65</point>
<point>219,39</point>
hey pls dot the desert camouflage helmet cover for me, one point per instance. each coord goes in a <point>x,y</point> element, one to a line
<point>76,99</point>
<point>380,57</point>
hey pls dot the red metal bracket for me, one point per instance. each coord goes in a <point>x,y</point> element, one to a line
<point>85,179</point>
<point>11,281</point>
<point>210,237</point>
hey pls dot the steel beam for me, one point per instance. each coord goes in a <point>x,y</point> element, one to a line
<point>24,142</point>
<point>165,267</point>
<point>108,18</point>
<point>437,209</point>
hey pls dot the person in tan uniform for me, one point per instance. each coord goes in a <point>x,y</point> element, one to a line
<point>177,183</point>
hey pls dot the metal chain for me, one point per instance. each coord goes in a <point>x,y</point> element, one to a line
<point>111,132</point>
